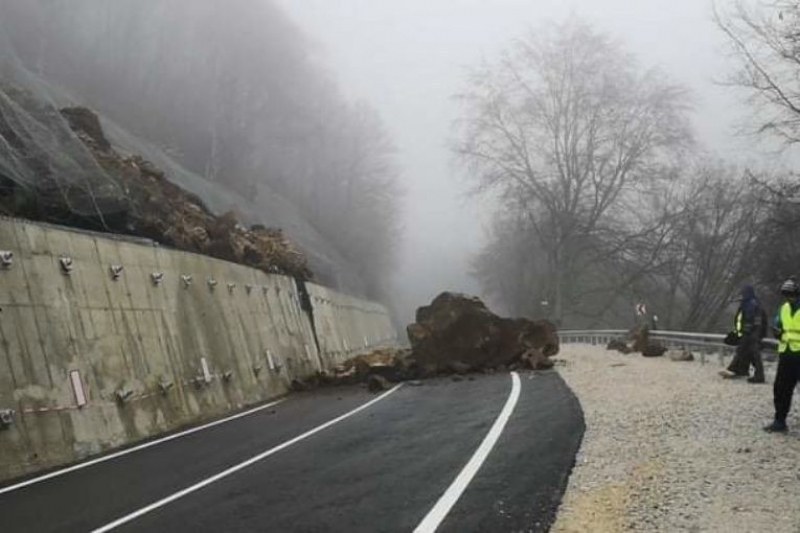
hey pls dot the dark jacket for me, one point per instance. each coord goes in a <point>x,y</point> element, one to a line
<point>754,320</point>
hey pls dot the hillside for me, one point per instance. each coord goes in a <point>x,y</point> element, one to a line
<point>230,104</point>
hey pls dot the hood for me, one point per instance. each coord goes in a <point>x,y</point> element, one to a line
<point>748,293</point>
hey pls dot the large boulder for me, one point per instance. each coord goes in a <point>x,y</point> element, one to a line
<point>459,330</point>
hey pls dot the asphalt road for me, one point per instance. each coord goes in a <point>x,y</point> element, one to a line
<point>381,468</point>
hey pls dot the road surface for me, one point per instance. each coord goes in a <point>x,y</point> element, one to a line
<point>491,453</point>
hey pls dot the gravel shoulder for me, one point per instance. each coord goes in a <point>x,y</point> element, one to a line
<point>670,446</point>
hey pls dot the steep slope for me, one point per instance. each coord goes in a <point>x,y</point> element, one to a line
<point>177,87</point>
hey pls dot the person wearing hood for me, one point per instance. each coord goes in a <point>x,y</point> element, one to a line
<point>750,326</point>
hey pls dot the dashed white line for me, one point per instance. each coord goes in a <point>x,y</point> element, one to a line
<point>232,470</point>
<point>140,447</point>
<point>439,511</point>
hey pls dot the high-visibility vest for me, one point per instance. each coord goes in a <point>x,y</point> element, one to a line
<point>790,327</point>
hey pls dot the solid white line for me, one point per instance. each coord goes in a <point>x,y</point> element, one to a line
<point>439,511</point>
<point>232,470</point>
<point>140,447</point>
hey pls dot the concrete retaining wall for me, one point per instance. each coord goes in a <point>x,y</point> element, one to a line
<point>367,325</point>
<point>150,356</point>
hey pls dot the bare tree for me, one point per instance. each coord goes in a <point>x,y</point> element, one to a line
<point>765,40</point>
<point>512,274</point>
<point>569,132</point>
<point>360,193</point>
<point>778,257</point>
<point>713,249</point>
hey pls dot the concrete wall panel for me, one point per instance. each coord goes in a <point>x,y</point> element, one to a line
<point>146,341</point>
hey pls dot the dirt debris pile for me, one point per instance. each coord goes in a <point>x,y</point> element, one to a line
<point>393,364</point>
<point>377,369</point>
<point>145,203</point>
<point>164,212</point>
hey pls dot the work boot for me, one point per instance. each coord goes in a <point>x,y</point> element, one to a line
<point>756,380</point>
<point>777,426</point>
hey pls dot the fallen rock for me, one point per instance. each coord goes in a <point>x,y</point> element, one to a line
<point>458,333</point>
<point>618,345</point>
<point>391,363</point>
<point>376,383</point>
<point>654,349</point>
<point>455,335</point>
<point>638,341</point>
<point>680,355</point>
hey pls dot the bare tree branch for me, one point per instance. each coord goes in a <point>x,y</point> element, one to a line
<point>567,121</point>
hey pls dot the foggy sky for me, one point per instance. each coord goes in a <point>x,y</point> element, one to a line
<point>408,58</point>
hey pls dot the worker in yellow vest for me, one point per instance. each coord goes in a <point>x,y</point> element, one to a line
<point>750,326</point>
<point>787,331</point>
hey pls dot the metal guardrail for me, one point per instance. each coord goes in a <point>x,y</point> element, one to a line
<point>704,343</point>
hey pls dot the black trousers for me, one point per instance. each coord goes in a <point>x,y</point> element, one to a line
<point>748,352</point>
<point>787,377</point>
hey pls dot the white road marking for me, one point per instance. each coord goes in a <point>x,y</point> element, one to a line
<point>232,470</point>
<point>439,511</point>
<point>140,447</point>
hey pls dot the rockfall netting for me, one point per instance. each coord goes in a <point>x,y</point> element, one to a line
<point>57,165</point>
<point>46,172</point>
<point>227,117</point>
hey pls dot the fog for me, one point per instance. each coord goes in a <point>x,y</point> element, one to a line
<point>409,58</point>
<point>336,121</point>
<point>224,99</point>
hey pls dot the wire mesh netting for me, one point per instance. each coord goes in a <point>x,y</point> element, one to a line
<point>45,169</point>
<point>48,173</point>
